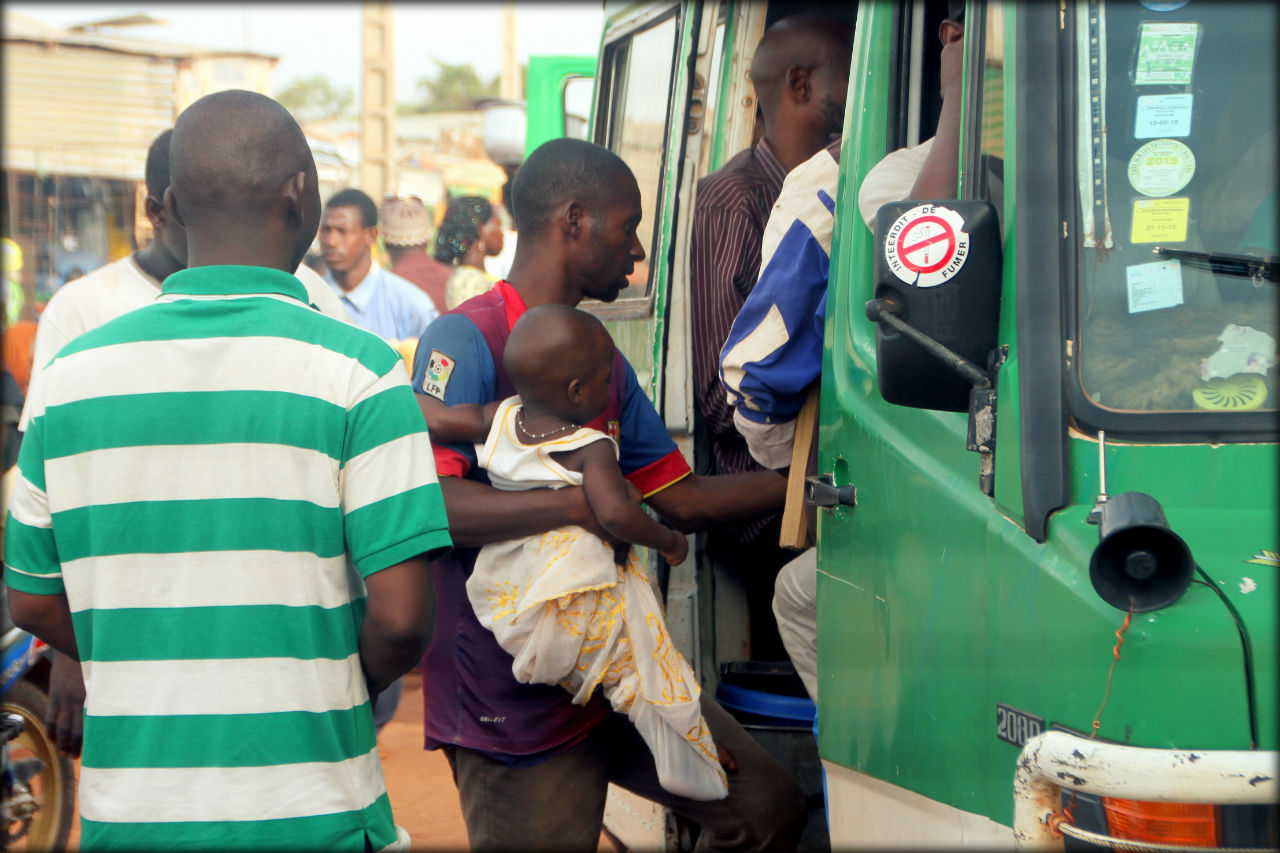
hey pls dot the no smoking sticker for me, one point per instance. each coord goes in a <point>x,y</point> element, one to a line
<point>927,245</point>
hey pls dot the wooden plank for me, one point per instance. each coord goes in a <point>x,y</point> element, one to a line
<point>795,528</point>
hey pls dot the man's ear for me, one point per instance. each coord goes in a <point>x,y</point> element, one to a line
<point>292,193</point>
<point>798,83</point>
<point>949,31</point>
<point>154,209</point>
<point>572,218</point>
<point>293,188</point>
<point>171,207</point>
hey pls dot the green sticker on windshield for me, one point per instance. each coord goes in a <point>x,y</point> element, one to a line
<point>1166,54</point>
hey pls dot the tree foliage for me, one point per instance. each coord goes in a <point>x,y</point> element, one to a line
<point>316,98</point>
<point>454,87</point>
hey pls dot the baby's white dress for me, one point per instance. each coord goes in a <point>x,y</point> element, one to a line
<point>569,615</point>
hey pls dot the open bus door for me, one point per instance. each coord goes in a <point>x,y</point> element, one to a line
<point>656,87</point>
<point>674,100</point>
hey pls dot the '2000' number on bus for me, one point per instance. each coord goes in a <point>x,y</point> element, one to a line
<point>1016,727</point>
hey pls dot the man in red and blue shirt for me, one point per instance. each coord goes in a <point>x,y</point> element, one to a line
<point>532,768</point>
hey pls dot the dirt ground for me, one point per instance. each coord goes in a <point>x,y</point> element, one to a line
<point>423,797</point>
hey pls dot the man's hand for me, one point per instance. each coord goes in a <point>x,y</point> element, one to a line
<point>65,716</point>
<point>951,75</point>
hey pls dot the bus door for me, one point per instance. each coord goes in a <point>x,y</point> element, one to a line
<point>656,101</point>
<point>673,98</point>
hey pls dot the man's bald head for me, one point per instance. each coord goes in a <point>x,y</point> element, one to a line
<point>235,155</point>
<point>562,170</point>
<point>798,41</point>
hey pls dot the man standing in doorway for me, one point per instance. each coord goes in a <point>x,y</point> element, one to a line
<point>800,73</point>
<point>768,374</point>
<point>378,300</point>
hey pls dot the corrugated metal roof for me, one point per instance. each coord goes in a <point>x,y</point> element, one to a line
<point>18,27</point>
<point>82,112</point>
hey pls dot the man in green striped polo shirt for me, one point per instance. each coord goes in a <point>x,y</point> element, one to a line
<point>225,508</point>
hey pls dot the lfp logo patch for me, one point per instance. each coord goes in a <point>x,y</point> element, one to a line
<point>436,379</point>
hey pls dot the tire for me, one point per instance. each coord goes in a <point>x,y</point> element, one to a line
<point>54,787</point>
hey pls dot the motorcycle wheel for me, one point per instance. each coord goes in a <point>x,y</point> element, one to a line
<point>54,787</point>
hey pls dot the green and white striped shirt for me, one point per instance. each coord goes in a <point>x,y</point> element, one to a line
<point>209,479</point>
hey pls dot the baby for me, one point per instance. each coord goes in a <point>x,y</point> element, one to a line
<point>565,604</point>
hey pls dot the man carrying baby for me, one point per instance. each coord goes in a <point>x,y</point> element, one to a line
<point>532,768</point>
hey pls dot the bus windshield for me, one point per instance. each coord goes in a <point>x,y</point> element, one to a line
<point>1175,217</point>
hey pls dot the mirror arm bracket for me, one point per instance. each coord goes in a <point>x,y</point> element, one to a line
<point>887,310</point>
<point>982,397</point>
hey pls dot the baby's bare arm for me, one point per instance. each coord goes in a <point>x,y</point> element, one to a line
<point>465,422</point>
<point>611,502</point>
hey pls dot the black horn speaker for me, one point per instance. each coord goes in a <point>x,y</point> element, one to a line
<point>1139,560</point>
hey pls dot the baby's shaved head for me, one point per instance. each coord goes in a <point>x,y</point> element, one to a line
<point>231,153</point>
<point>550,346</point>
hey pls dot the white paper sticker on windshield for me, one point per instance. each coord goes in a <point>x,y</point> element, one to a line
<point>1244,350</point>
<point>1166,54</point>
<point>1162,116</point>
<point>1161,167</point>
<point>1154,285</point>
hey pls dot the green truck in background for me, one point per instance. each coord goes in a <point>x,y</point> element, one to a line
<point>1051,610</point>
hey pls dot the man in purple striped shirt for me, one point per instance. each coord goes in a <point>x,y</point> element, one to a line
<point>800,72</point>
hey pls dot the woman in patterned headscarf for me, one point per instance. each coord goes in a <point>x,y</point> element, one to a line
<point>470,231</point>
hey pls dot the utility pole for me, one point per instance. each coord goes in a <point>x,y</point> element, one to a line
<point>509,82</point>
<point>378,175</point>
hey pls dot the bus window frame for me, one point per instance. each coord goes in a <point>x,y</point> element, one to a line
<point>620,37</point>
<point>564,103</point>
<point>975,49</point>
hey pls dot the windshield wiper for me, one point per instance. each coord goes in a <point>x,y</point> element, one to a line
<point>1259,268</point>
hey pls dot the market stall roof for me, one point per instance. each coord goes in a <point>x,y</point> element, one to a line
<point>22,28</point>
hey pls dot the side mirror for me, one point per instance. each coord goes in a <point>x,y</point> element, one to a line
<point>939,264</point>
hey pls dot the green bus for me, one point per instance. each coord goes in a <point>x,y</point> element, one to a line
<point>1051,610</point>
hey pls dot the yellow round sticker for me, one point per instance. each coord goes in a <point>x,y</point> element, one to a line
<point>1161,167</point>
<point>1240,393</point>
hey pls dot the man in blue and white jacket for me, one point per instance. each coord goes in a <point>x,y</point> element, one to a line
<point>774,351</point>
<point>771,357</point>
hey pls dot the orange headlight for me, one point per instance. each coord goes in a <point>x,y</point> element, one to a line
<point>1192,825</point>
